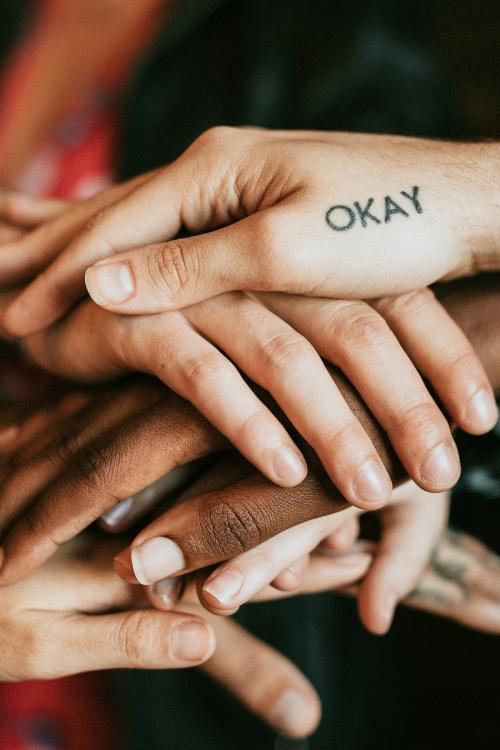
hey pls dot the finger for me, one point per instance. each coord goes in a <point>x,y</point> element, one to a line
<point>72,643</point>
<point>196,475</point>
<point>21,260</point>
<point>344,537</point>
<point>127,512</point>
<point>114,467</point>
<point>238,580</point>
<point>85,580</point>
<point>29,479</point>
<point>291,578</point>
<point>30,436</point>
<point>266,682</point>
<point>171,275</point>
<point>359,341</point>
<point>285,364</point>
<point>9,232</point>
<point>450,363</point>
<point>27,211</point>
<point>197,371</point>
<point>409,533</point>
<point>94,343</point>
<point>324,573</point>
<point>220,524</point>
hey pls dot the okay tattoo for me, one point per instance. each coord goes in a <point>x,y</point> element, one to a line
<point>342,217</point>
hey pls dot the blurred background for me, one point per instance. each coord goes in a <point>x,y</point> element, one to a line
<point>429,684</point>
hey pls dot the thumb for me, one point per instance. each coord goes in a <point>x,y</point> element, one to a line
<point>140,639</point>
<point>171,275</point>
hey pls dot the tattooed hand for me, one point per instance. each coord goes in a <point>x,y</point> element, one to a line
<point>315,213</point>
<point>462,582</point>
<point>278,341</point>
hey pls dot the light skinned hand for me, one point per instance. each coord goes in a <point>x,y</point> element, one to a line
<point>378,347</point>
<point>116,447</point>
<point>75,615</point>
<point>317,213</point>
<point>279,348</point>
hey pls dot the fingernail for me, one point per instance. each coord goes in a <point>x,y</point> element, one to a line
<point>118,513</point>
<point>291,713</point>
<point>482,410</point>
<point>289,465</point>
<point>224,587</point>
<point>441,468</point>
<point>190,641</point>
<point>110,284</point>
<point>372,483</point>
<point>156,559</point>
<point>167,590</point>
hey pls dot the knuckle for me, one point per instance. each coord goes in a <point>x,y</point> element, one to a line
<point>361,327</point>
<point>285,349</point>
<point>216,136</point>
<point>95,466</point>
<point>32,660</point>
<point>411,303</point>
<point>139,638</point>
<point>420,418</point>
<point>173,267</point>
<point>66,446</point>
<point>461,365</point>
<point>133,639</point>
<point>230,529</point>
<point>201,371</point>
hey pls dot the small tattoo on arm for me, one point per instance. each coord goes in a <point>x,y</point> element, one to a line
<point>342,217</point>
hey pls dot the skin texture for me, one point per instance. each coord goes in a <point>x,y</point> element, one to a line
<point>271,342</point>
<point>95,464</point>
<point>68,601</point>
<point>274,189</point>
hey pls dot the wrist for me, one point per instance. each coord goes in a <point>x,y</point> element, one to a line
<point>481,191</point>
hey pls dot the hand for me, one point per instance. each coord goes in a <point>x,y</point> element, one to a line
<point>361,340</point>
<point>274,350</point>
<point>315,213</point>
<point>58,622</point>
<point>117,447</point>
<point>75,615</point>
<point>461,582</point>
<point>410,527</point>
<point>36,230</point>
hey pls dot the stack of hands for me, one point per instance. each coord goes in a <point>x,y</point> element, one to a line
<point>297,373</point>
